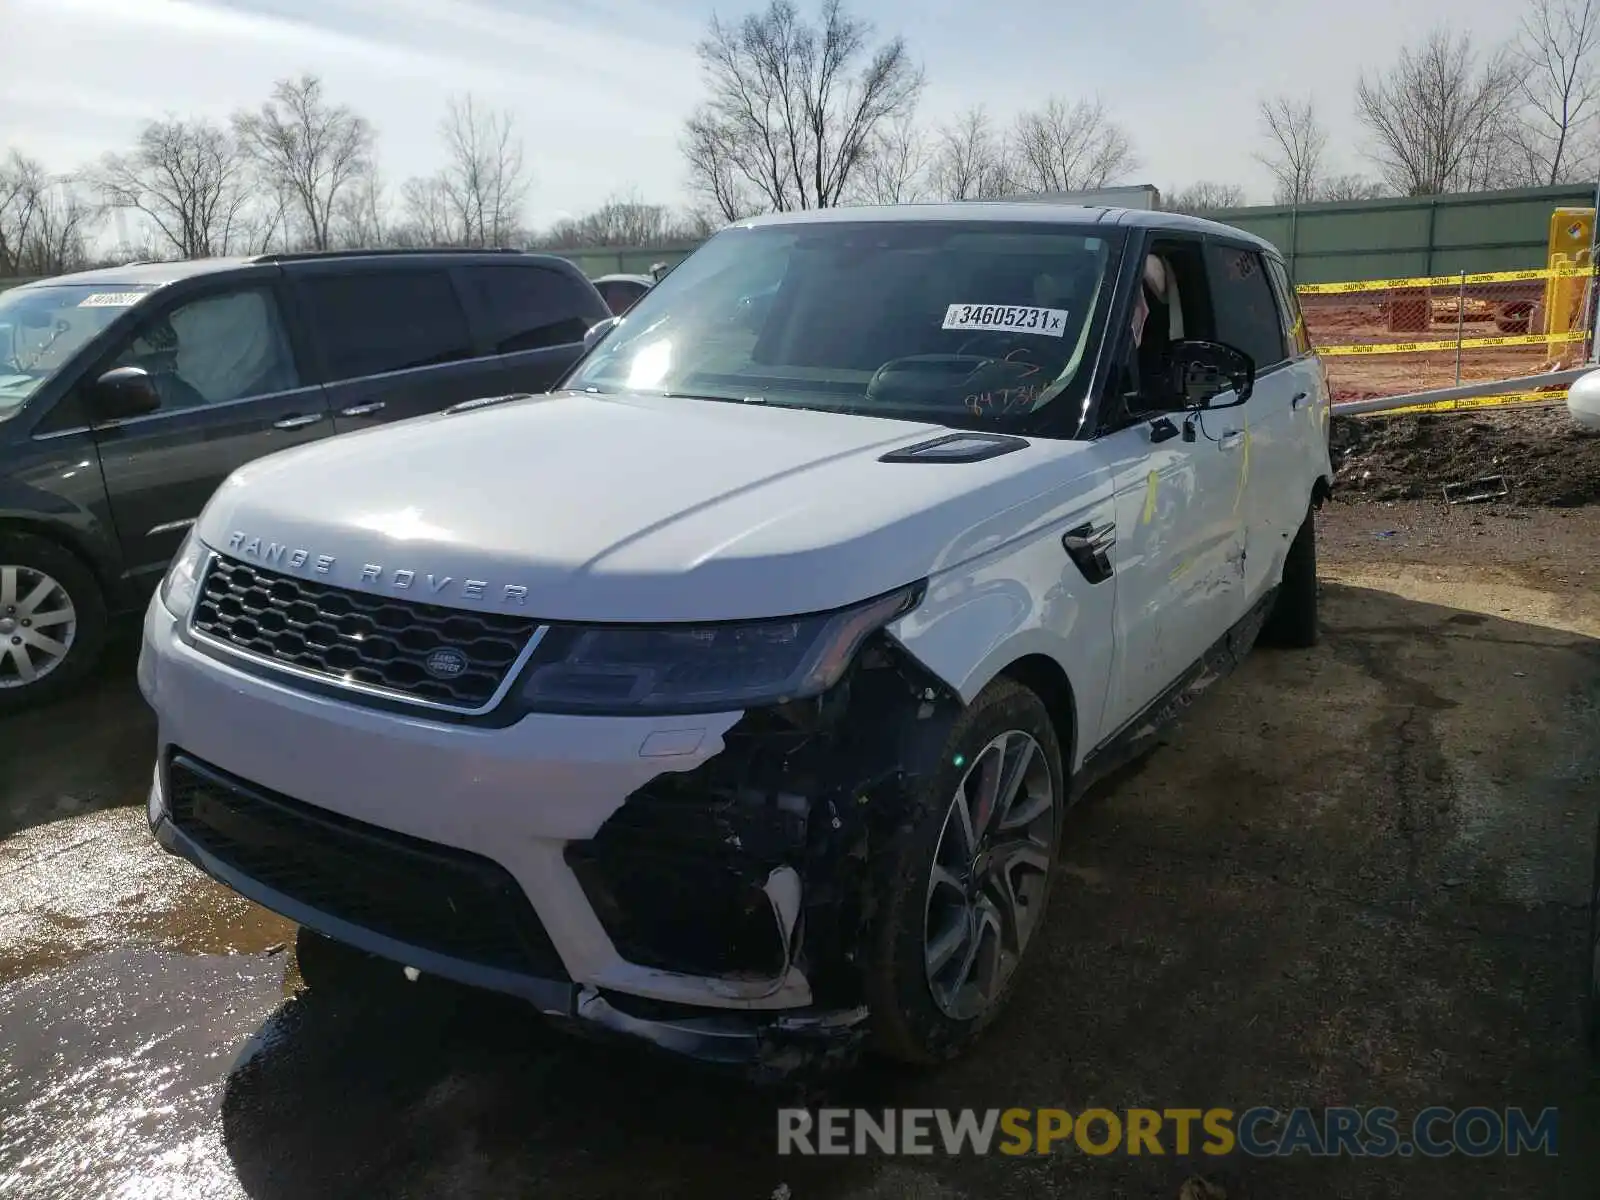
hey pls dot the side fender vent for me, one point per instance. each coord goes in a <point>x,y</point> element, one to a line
<point>958,448</point>
<point>1089,546</point>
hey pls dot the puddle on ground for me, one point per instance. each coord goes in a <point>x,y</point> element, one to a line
<point>112,1071</point>
<point>91,883</point>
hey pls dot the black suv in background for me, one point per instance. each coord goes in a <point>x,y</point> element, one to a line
<point>128,395</point>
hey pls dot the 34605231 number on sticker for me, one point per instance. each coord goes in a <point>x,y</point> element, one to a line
<point>1007,318</point>
<point>111,300</point>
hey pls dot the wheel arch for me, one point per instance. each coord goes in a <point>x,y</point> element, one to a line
<point>1045,678</point>
<point>73,541</point>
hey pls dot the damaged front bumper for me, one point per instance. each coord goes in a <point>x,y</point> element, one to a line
<point>716,902</point>
<point>766,1044</point>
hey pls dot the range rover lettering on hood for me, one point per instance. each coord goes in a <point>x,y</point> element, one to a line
<point>399,579</point>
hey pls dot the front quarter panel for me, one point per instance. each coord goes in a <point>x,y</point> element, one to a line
<point>1025,597</point>
<point>52,485</point>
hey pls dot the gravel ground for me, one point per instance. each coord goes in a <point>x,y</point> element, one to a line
<point>1355,875</point>
<point>1546,459</point>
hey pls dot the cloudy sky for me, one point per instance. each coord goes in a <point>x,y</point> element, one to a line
<point>600,87</point>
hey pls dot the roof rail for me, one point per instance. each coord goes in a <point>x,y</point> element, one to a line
<point>280,256</point>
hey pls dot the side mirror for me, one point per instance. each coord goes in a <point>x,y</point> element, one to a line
<point>123,392</point>
<point>1205,371</point>
<point>598,330</point>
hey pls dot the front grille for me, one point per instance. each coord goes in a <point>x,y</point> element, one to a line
<point>352,637</point>
<point>434,897</point>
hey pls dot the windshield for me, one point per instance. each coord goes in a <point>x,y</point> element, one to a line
<point>42,327</point>
<point>973,324</point>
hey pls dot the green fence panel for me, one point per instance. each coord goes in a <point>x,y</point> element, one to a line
<point>1406,236</point>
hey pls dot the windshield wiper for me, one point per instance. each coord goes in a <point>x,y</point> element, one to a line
<point>718,399</point>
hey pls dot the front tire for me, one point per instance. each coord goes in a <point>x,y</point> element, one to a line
<point>1293,621</point>
<point>52,621</point>
<point>966,879</point>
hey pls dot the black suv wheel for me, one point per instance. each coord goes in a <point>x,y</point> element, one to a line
<point>52,620</point>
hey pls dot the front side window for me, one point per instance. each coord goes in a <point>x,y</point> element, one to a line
<point>374,322</point>
<point>229,346</point>
<point>1246,313</point>
<point>44,326</point>
<point>966,323</point>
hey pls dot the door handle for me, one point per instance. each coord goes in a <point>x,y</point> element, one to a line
<point>1231,440</point>
<point>1295,401</point>
<point>362,410</point>
<point>298,422</point>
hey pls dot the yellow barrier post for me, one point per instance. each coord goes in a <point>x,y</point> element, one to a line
<point>1571,235</point>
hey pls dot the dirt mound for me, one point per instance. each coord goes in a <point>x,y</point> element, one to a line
<point>1545,458</point>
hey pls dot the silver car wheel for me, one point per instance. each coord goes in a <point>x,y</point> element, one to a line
<point>987,887</point>
<point>38,624</point>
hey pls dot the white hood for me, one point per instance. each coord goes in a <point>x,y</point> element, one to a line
<point>630,508</point>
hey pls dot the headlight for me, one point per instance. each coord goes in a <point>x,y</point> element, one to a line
<point>635,670</point>
<point>182,581</point>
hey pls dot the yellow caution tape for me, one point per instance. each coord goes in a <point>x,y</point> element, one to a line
<point>1472,402</point>
<point>1441,344</point>
<point>1442,281</point>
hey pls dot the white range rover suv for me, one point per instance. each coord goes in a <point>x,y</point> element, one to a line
<point>732,694</point>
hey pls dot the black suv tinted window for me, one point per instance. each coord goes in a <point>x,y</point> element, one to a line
<point>527,308</point>
<point>376,321</point>
<point>1246,313</point>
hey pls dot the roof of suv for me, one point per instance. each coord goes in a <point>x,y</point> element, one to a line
<point>1013,211</point>
<point>158,273</point>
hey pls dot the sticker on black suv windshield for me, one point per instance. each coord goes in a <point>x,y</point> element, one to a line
<point>111,300</point>
<point>1007,318</point>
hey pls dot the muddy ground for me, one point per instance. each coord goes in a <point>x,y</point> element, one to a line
<point>1545,458</point>
<point>1356,875</point>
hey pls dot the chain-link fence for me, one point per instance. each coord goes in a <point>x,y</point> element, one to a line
<point>1388,337</point>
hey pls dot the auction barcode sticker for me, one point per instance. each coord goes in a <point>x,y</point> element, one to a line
<point>1007,318</point>
<point>111,300</point>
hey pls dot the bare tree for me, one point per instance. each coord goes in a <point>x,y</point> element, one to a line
<point>59,242</point>
<point>485,181</point>
<point>308,149</point>
<point>1555,138</point>
<point>21,189</point>
<point>43,219</point>
<point>1350,187</point>
<point>793,108</point>
<point>1205,197</point>
<point>1439,118</point>
<point>1296,141</point>
<point>896,167</point>
<point>360,215</point>
<point>1073,147</point>
<point>624,220</point>
<point>426,217</point>
<point>971,160</point>
<point>187,179</point>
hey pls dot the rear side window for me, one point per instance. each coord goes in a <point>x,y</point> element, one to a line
<point>374,322</point>
<point>1294,320</point>
<point>1246,312</point>
<point>529,308</point>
